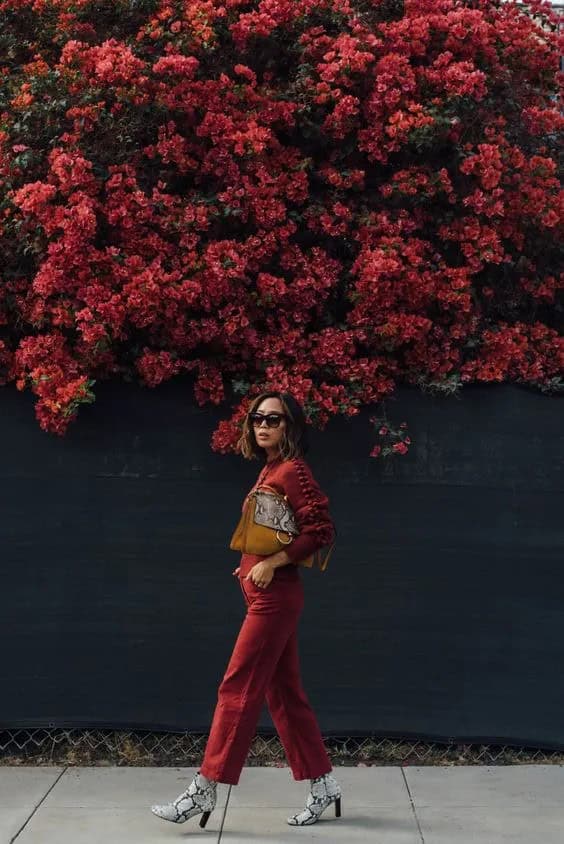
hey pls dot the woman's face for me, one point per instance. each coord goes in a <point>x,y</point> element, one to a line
<point>269,438</point>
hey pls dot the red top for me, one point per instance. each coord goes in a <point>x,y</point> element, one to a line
<point>311,510</point>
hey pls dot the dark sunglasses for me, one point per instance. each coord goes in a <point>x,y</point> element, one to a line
<point>272,419</point>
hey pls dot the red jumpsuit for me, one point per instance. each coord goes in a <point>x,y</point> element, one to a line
<point>265,663</point>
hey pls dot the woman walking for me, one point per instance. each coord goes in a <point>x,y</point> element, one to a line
<point>265,662</point>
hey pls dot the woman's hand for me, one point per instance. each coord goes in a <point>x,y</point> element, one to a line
<point>261,573</point>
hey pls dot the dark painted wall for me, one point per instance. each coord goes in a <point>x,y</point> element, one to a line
<point>440,616</point>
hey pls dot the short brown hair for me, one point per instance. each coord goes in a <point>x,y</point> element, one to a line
<point>294,443</point>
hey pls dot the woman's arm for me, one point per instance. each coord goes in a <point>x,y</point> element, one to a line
<point>311,510</point>
<point>278,559</point>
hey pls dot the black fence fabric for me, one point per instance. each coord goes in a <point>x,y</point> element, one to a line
<point>440,616</point>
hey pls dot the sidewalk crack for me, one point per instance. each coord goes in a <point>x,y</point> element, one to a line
<point>412,806</point>
<point>224,814</point>
<point>38,805</point>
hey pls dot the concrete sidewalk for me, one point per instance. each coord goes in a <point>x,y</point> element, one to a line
<point>521,804</point>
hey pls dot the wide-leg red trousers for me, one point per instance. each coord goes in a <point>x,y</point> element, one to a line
<point>265,665</point>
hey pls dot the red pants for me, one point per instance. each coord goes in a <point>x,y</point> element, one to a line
<point>265,663</point>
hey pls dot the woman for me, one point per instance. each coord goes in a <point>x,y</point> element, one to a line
<point>264,662</point>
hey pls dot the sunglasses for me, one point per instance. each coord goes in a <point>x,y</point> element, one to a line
<point>272,419</point>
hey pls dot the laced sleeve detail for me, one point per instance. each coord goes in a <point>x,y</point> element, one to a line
<point>311,510</point>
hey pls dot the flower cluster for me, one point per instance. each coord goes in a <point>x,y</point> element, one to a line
<point>328,197</point>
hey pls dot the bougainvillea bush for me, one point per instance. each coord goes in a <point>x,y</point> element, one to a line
<point>327,196</point>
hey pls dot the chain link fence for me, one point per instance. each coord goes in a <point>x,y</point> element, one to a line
<point>59,746</point>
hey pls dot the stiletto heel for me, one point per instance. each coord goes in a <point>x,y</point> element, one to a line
<point>204,819</point>
<point>338,807</point>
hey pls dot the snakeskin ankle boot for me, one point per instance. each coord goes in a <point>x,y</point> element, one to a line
<point>199,797</point>
<point>324,790</point>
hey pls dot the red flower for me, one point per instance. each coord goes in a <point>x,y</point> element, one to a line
<point>247,193</point>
